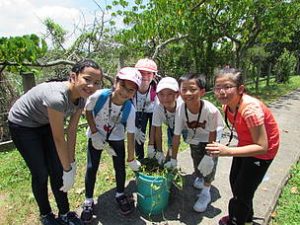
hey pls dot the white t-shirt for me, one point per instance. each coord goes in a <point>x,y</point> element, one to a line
<point>159,115</point>
<point>103,119</point>
<point>210,120</point>
<point>143,101</point>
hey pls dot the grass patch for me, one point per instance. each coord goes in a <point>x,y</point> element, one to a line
<point>15,184</point>
<point>287,211</point>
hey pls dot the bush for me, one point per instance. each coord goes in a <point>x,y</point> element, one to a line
<point>285,66</point>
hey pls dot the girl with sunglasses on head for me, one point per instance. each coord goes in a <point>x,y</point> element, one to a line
<point>258,143</point>
<point>37,127</point>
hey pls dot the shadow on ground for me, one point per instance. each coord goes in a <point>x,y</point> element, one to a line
<point>180,207</point>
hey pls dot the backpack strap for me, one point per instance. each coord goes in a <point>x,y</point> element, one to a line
<point>126,111</point>
<point>101,100</point>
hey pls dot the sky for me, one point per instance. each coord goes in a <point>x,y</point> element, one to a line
<point>20,17</point>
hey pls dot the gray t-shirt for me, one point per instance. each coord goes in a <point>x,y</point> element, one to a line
<point>30,110</point>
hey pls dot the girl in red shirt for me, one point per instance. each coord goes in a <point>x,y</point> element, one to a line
<point>258,143</point>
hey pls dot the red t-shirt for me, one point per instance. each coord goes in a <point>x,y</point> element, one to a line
<point>251,113</point>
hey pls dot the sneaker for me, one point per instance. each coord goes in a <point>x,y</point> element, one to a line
<point>70,219</point>
<point>224,220</point>
<point>198,183</point>
<point>49,219</point>
<point>126,204</point>
<point>87,212</point>
<point>202,202</point>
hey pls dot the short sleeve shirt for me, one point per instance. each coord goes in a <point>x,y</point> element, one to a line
<point>104,120</point>
<point>30,110</point>
<point>252,113</point>
<point>210,120</point>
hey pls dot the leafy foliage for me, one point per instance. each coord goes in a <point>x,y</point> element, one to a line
<point>285,66</point>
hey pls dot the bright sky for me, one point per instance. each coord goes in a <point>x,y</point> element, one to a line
<point>20,17</point>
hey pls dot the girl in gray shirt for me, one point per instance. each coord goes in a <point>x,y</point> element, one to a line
<point>37,122</point>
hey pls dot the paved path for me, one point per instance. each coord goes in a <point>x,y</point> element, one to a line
<point>179,211</point>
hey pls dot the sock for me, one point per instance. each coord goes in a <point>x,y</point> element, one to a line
<point>205,190</point>
<point>118,194</point>
<point>88,201</point>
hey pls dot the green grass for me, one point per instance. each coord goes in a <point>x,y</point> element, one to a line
<point>287,211</point>
<point>18,207</point>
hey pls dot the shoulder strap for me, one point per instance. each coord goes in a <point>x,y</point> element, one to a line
<point>126,111</point>
<point>101,100</point>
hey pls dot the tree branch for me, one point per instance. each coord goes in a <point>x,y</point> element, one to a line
<point>38,64</point>
<point>162,45</point>
<point>198,5</point>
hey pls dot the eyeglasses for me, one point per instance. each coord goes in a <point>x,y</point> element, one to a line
<point>226,88</point>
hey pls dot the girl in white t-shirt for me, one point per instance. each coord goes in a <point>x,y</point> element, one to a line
<point>144,101</point>
<point>107,127</point>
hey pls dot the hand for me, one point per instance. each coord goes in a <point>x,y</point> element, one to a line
<point>74,167</point>
<point>216,149</point>
<point>172,164</point>
<point>160,157</point>
<point>140,136</point>
<point>68,180</point>
<point>206,165</point>
<point>134,165</point>
<point>151,151</point>
<point>97,141</point>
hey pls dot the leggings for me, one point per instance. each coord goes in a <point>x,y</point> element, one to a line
<point>37,147</point>
<point>141,121</point>
<point>245,176</point>
<point>93,161</point>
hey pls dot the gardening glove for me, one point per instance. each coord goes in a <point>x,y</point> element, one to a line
<point>134,165</point>
<point>97,141</point>
<point>172,164</point>
<point>110,150</point>
<point>206,165</point>
<point>151,151</point>
<point>68,180</point>
<point>160,157</point>
<point>140,136</point>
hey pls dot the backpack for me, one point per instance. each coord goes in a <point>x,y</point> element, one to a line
<point>102,99</point>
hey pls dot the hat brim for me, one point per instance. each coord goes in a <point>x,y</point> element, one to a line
<point>158,89</point>
<point>146,69</point>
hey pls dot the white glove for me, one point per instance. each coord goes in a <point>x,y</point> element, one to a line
<point>134,165</point>
<point>97,141</point>
<point>68,180</point>
<point>206,165</point>
<point>172,164</point>
<point>151,151</point>
<point>111,151</point>
<point>74,167</point>
<point>140,136</point>
<point>160,157</point>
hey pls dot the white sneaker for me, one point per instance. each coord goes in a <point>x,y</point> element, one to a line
<point>202,202</point>
<point>198,183</point>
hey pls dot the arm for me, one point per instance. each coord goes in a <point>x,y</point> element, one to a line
<point>175,144</point>
<point>91,121</point>
<point>130,147</point>
<point>72,133</point>
<point>56,120</point>
<point>259,146</point>
<point>158,138</point>
<point>152,136</point>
